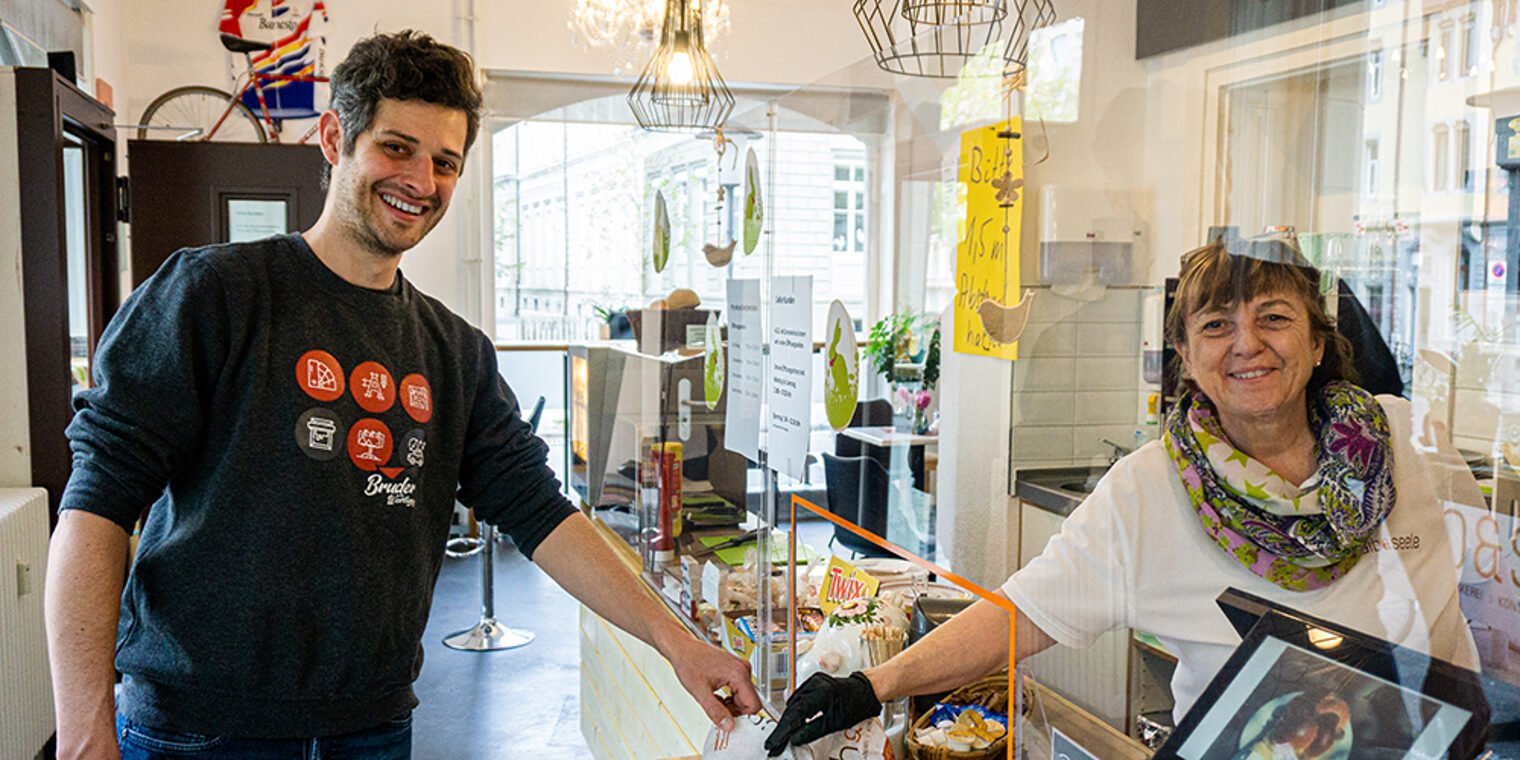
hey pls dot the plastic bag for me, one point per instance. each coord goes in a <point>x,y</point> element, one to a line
<point>838,649</point>
<point>867,740</point>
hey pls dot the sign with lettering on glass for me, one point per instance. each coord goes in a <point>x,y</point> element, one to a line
<point>987,256</point>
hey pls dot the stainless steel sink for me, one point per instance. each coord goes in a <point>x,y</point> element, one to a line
<point>1078,486</point>
<point>1058,489</point>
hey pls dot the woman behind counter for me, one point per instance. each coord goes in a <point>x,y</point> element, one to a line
<point>1274,475</point>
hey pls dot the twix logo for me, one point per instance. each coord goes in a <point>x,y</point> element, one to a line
<point>843,582</point>
<point>843,588</point>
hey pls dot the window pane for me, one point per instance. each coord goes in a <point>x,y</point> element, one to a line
<point>860,232</point>
<point>860,174</point>
<point>557,257</point>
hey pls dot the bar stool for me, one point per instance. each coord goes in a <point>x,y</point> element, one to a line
<point>487,635</point>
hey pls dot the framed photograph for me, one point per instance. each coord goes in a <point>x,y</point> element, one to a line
<point>1304,688</point>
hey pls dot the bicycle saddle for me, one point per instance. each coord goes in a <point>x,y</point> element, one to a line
<point>240,45</point>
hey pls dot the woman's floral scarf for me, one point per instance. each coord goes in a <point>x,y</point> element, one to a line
<point>1298,537</point>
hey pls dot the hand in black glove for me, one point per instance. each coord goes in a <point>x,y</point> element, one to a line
<point>822,705</point>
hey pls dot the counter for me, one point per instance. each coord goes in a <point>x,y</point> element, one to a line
<point>632,705</point>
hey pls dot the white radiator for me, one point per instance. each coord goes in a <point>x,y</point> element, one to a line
<point>26,692</point>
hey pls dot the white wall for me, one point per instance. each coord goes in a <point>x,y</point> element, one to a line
<point>1102,150</point>
<point>15,432</point>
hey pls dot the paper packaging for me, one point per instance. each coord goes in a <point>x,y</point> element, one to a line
<point>664,470</point>
<point>866,741</point>
<point>691,584</point>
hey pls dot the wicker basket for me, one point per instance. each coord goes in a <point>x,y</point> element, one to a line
<point>990,692</point>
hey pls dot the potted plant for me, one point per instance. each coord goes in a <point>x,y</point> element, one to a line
<point>904,348</point>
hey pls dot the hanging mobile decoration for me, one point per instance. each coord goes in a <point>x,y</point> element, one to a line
<point>720,255</point>
<point>754,211</point>
<point>713,366</point>
<point>1004,324</point>
<point>841,376</point>
<point>661,247</point>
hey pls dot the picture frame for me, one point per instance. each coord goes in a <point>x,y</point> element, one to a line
<point>1329,692</point>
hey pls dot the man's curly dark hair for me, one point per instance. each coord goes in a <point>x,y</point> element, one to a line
<point>406,65</point>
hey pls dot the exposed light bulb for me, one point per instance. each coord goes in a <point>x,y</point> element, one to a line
<point>679,69</point>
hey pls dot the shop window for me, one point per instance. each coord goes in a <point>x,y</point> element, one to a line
<point>1375,71</point>
<point>574,208</point>
<point>1370,160</point>
<point>1469,48</point>
<point>1055,70</point>
<point>850,207</point>
<point>1443,55</point>
<point>1464,155</point>
<point>1439,149</point>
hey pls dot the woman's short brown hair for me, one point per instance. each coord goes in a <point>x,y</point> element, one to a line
<point>1212,278</point>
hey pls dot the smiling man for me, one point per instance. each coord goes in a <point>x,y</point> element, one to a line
<point>301,420</point>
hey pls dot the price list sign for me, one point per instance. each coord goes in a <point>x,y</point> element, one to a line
<point>791,380</point>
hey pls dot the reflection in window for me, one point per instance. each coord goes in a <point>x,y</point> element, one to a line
<point>1370,160</point>
<point>850,203</point>
<point>977,94</point>
<point>1375,74</point>
<point>1464,154</point>
<point>1055,71</point>
<point>1444,54</point>
<point>1469,48</point>
<point>1439,149</point>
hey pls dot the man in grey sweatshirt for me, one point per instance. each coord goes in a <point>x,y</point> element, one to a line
<point>301,419</point>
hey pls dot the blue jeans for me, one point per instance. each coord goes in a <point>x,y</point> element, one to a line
<point>389,741</point>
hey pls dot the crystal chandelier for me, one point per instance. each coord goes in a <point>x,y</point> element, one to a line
<point>935,38</point>
<point>629,29</point>
<point>680,90</point>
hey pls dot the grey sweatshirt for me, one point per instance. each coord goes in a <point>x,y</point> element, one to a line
<point>302,441</point>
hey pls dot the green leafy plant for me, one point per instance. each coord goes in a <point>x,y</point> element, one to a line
<point>604,313</point>
<point>931,361</point>
<point>893,341</point>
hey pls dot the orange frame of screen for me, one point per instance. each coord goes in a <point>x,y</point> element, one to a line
<point>978,591</point>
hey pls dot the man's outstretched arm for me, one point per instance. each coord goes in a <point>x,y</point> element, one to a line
<point>577,557</point>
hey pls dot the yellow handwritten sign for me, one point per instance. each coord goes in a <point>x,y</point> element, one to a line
<point>843,582</point>
<point>987,257</point>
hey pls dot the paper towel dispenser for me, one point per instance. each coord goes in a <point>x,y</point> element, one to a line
<point>1086,236</point>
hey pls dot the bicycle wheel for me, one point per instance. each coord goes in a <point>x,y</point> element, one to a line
<point>189,113</point>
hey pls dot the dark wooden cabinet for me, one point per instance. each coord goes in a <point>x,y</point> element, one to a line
<point>181,192</point>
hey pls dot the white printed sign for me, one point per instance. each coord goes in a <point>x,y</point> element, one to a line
<point>791,381</point>
<point>746,369</point>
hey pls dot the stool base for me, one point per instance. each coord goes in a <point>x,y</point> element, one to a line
<point>488,636</point>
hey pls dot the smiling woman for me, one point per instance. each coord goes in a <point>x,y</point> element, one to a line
<point>1275,476</point>
<point>1254,340</point>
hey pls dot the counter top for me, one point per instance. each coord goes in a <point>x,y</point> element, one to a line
<point>1056,489</point>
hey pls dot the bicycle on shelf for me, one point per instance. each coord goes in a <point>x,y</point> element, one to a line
<point>201,113</point>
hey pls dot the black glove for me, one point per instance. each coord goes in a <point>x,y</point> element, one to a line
<point>822,705</point>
